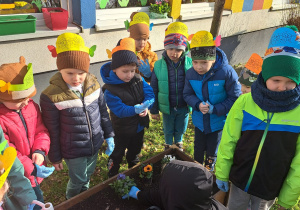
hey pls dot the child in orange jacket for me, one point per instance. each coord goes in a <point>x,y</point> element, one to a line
<point>139,28</point>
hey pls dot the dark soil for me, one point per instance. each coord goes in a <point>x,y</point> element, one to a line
<point>107,199</point>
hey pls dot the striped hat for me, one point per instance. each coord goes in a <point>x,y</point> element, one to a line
<point>282,57</point>
<point>176,36</point>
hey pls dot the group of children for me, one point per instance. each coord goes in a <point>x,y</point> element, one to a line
<point>258,156</point>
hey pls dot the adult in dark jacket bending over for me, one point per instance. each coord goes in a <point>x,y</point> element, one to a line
<point>183,186</point>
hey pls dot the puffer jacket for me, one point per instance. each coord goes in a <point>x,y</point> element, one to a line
<point>34,138</point>
<point>77,126</point>
<point>146,53</point>
<point>219,86</point>
<point>174,84</point>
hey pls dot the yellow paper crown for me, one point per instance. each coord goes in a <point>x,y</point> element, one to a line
<point>202,39</point>
<point>178,28</point>
<point>70,42</point>
<point>140,17</point>
<point>28,82</point>
<point>7,160</point>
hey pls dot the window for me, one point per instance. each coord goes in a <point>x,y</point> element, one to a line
<point>26,6</point>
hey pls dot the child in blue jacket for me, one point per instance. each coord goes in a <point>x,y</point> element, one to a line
<point>211,88</point>
<point>128,97</point>
<point>167,81</point>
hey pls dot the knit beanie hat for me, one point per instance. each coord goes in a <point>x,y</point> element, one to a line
<point>123,53</point>
<point>251,70</point>
<point>71,52</point>
<point>176,36</point>
<point>203,45</point>
<point>16,81</point>
<point>283,55</point>
<point>139,25</point>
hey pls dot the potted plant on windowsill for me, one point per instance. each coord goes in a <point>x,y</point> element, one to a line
<point>56,18</point>
<point>160,9</point>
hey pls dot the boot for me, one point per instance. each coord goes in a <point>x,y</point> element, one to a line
<point>167,146</point>
<point>180,146</point>
<point>210,163</point>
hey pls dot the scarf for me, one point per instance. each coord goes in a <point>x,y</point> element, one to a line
<point>272,101</point>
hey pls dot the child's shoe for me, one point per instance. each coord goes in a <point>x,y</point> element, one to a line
<point>167,146</point>
<point>210,163</point>
<point>180,146</point>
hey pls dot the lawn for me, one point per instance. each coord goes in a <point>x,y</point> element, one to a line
<point>154,140</point>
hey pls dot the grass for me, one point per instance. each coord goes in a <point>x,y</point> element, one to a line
<point>54,187</point>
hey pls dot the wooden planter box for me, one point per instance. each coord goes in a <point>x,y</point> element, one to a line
<point>219,195</point>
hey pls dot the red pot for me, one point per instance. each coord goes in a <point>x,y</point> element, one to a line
<point>55,18</point>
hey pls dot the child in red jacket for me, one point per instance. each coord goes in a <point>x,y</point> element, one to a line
<point>21,121</point>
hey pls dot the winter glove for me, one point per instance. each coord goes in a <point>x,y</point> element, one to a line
<point>43,171</point>
<point>211,108</point>
<point>144,68</point>
<point>222,185</point>
<point>132,193</point>
<point>30,206</point>
<point>110,146</point>
<point>139,108</point>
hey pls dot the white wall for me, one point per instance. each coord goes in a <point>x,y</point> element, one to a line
<point>36,52</point>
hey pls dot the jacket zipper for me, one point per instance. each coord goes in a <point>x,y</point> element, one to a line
<point>87,118</point>
<point>25,127</point>
<point>262,141</point>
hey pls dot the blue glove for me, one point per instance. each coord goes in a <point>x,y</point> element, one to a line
<point>43,171</point>
<point>110,145</point>
<point>132,193</point>
<point>222,185</point>
<point>145,68</point>
<point>211,108</point>
<point>31,206</point>
<point>139,108</point>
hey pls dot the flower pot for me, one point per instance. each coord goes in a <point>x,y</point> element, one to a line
<point>55,18</point>
<point>158,16</point>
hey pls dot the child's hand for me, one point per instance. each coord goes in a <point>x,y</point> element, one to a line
<point>37,158</point>
<point>204,107</point>
<point>144,113</point>
<point>58,166</point>
<point>155,116</point>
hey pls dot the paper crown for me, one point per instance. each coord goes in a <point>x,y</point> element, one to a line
<point>139,17</point>
<point>7,160</point>
<point>125,44</point>
<point>177,28</point>
<point>70,42</point>
<point>12,72</point>
<point>254,63</point>
<point>284,37</point>
<point>204,39</point>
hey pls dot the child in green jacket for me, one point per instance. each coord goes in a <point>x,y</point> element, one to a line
<point>260,146</point>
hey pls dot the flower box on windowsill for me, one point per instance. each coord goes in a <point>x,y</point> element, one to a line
<point>55,18</point>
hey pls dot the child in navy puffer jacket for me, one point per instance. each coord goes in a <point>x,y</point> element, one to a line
<point>211,88</point>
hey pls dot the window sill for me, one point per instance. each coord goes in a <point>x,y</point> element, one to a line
<point>276,7</point>
<point>199,10</point>
<point>109,19</point>
<point>41,31</point>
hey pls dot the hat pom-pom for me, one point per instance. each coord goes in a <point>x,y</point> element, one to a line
<point>293,27</point>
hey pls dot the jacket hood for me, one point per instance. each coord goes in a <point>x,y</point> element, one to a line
<point>108,76</point>
<point>221,59</point>
<point>192,183</point>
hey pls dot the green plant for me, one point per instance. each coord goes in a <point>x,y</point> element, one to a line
<point>146,171</point>
<point>102,3</point>
<point>160,7</point>
<point>122,185</point>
